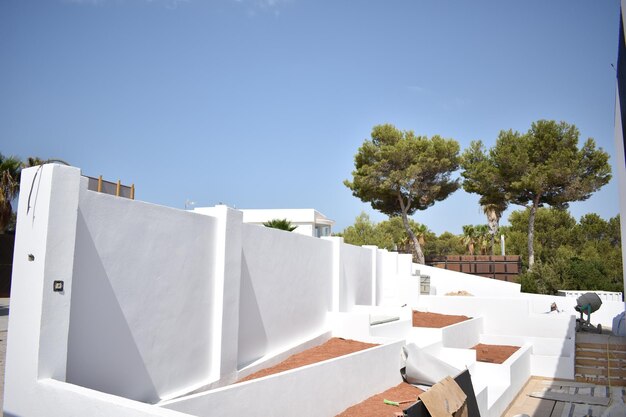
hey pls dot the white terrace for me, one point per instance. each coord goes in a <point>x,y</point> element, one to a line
<point>124,308</point>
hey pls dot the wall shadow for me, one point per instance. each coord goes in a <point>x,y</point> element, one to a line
<point>252,335</point>
<point>102,353</point>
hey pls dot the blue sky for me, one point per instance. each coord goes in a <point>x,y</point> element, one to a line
<point>263,103</point>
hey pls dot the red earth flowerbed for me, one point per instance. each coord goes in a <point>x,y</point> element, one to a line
<point>494,353</point>
<point>332,348</point>
<point>374,406</point>
<point>434,320</point>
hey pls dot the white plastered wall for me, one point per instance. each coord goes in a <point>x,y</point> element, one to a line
<point>320,390</point>
<point>443,281</point>
<point>40,318</point>
<point>289,277</point>
<point>551,335</point>
<point>286,291</point>
<point>355,276</point>
<point>540,304</point>
<point>143,286</point>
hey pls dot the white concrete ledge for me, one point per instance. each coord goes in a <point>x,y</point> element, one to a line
<point>338,384</point>
<point>465,334</point>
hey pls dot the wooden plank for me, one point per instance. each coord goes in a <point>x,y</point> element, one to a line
<point>576,398</point>
<point>543,407</point>
<point>597,410</point>
<point>557,383</point>
<point>580,410</point>
<point>559,406</point>
<point>601,381</point>
<point>586,410</point>
<point>602,346</point>
<point>580,353</point>
<point>615,363</point>
<point>567,410</point>
<point>613,372</point>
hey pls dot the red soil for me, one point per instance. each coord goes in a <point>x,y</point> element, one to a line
<point>375,407</point>
<point>494,353</point>
<point>333,348</point>
<point>434,320</point>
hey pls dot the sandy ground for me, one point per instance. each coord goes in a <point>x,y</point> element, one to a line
<point>434,320</point>
<point>333,348</point>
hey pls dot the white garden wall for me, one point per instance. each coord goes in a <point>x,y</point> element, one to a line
<point>540,304</point>
<point>318,390</point>
<point>507,316</point>
<point>37,349</point>
<point>159,303</point>
<point>396,284</point>
<point>124,302</point>
<point>355,276</point>
<point>286,290</point>
<point>443,281</point>
<point>386,271</point>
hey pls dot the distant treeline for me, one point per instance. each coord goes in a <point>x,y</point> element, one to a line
<point>583,255</point>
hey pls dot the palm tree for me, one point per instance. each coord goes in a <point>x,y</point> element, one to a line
<point>482,238</point>
<point>282,224</point>
<point>469,237</point>
<point>493,209</point>
<point>421,231</point>
<point>33,161</point>
<point>10,169</point>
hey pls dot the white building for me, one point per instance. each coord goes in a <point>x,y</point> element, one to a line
<point>309,222</point>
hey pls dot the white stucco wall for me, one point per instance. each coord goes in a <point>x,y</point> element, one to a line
<point>505,316</point>
<point>40,318</point>
<point>319,390</point>
<point>159,302</point>
<point>443,281</point>
<point>386,271</point>
<point>540,304</point>
<point>286,290</point>
<point>355,276</point>
<point>140,324</point>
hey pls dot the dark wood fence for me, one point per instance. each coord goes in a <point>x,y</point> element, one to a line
<point>504,268</point>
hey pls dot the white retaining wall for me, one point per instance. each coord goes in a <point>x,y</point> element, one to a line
<point>507,316</point>
<point>319,390</point>
<point>286,290</point>
<point>540,304</point>
<point>158,302</point>
<point>37,348</point>
<point>551,335</point>
<point>355,276</point>
<point>443,281</point>
<point>387,271</point>
<point>463,335</point>
<point>124,303</point>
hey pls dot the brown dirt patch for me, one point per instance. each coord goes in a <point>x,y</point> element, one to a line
<point>434,320</point>
<point>375,407</point>
<point>332,348</point>
<point>494,353</point>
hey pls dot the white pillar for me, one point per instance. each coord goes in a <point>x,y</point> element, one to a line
<point>44,253</point>
<point>228,246</point>
<point>336,271</point>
